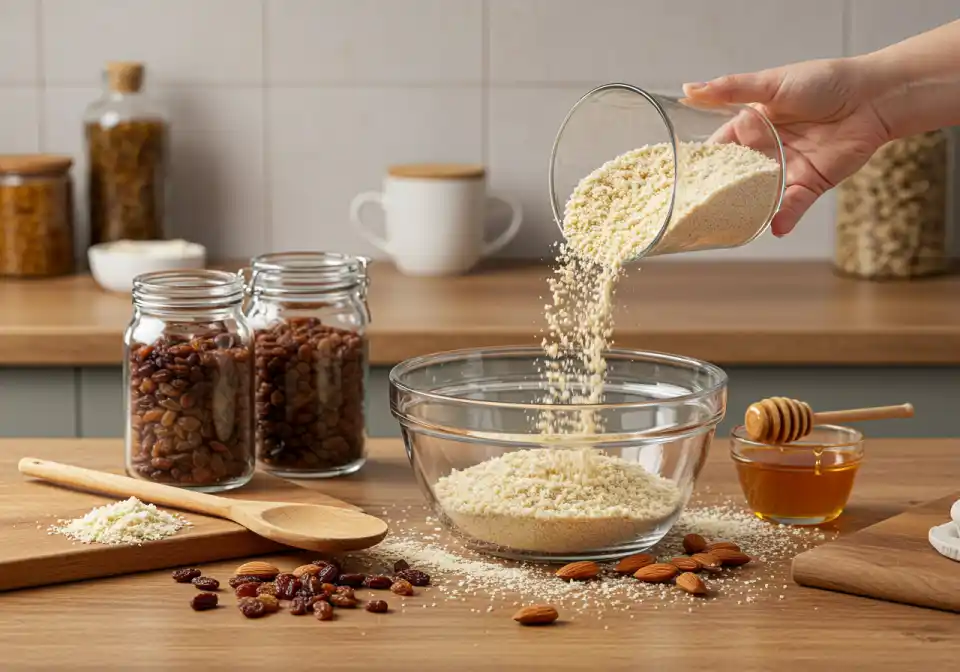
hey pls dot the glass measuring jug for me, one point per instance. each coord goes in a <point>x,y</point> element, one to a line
<point>617,118</point>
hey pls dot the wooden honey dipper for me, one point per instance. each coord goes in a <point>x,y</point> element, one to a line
<point>779,420</point>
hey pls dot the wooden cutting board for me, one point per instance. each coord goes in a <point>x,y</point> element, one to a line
<point>891,560</point>
<point>29,556</point>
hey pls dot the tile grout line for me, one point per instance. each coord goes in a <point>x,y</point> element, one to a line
<point>267,215</point>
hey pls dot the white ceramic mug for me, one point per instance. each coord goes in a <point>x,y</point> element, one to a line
<point>435,218</point>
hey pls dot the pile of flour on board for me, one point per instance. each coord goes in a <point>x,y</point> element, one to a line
<point>551,500</point>
<point>125,522</point>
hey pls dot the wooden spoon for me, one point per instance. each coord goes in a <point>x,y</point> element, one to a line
<point>779,420</point>
<point>315,527</point>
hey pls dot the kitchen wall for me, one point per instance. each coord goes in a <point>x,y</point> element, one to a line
<point>283,109</point>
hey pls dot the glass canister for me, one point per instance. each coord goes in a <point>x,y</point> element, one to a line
<point>309,314</point>
<point>36,215</point>
<point>127,145</point>
<point>892,214</point>
<point>188,369</point>
<point>717,175</point>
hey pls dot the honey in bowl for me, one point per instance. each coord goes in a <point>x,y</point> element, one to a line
<point>806,482</point>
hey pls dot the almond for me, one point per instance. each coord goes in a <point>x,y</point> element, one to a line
<point>708,562</point>
<point>691,583</point>
<point>261,570</point>
<point>730,558</point>
<point>716,545</point>
<point>694,543</point>
<point>579,571</point>
<point>536,614</point>
<point>306,570</point>
<point>685,564</point>
<point>632,563</point>
<point>659,572</point>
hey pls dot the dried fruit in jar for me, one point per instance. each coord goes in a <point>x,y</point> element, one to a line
<point>186,575</point>
<point>204,601</point>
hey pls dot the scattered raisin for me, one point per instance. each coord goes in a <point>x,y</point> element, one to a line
<point>327,589</point>
<point>402,587</point>
<point>346,591</point>
<point>251,607</point>
<point>186,575</point>
<point>353,580</point>
<point>267,589</point>
<point>414,576</point>
<point>206,583</point>
<point>287,586</point>
<point>247,590</point>
<point>204,601</point>
<point>377,606</point>
<point>400,565</point>
<point>270,603</point>
<point>323,611</point>
<point>298,606</point>
<point>328,574</point>
<point>343,601</point>
<point>378,582</point>
<point>324,563</point>
<point>243,578</point>
<point>311,585</point>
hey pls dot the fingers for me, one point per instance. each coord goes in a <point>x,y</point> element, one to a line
<point>754,87</point>
<point>797,199</point>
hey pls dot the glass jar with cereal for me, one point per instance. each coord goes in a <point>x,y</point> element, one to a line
<point>188,369</point>
<point>309,314</point>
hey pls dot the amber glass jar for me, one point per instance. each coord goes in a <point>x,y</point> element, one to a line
<point>188,369</point>
<point>892,217</point>
<point>309,314</point>
<point>36,216</point>
<point>127,140</point>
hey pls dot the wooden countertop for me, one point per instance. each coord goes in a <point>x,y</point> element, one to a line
<point>728,313</point>
<point>143,620</point>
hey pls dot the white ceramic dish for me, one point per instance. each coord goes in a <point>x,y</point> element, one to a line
<point>114,265</point>
<point>946,538</point>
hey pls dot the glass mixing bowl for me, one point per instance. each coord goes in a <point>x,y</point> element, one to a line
<point>462,408</point>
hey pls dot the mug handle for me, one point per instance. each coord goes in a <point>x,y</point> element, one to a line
<point>501,241</point>
<point>356,207</point>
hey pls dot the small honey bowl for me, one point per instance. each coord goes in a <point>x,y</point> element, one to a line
<point>806,482</point>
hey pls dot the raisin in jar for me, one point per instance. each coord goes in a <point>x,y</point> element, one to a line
<point>188,367</point>
<point>309,314</point>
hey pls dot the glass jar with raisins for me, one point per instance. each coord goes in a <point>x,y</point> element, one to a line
<point>309,314</point>
<point>188,370</point>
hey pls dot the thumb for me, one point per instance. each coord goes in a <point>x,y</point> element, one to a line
<point>754,87</point>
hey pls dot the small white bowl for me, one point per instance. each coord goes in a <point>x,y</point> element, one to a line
<point>114,265</point>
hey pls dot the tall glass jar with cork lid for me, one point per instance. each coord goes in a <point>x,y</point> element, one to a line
<point>127,144</point>
<point>309,315</point>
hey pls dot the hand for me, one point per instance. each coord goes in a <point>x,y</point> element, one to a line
<point>825,117</point>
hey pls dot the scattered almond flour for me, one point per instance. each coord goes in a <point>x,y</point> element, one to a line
<point>557,501</point>
<point>125,522</point>
<point>460,573</point>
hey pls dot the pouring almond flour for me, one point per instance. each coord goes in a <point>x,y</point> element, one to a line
<point>579,498</point>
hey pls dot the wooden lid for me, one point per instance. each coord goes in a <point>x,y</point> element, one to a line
<point>125,76</point>
<point>438,171</point>
<point>34,164</point>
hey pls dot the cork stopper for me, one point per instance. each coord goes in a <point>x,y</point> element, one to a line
<point>438,171</point>
<point>34,164</point>
<point>125,76</point>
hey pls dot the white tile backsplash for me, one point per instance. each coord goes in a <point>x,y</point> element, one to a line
<point>18,42</point>
<point>284,109</point>
<point>327,145</point>
<point>655,43</point>
<point>374,42</point>
<point>19,120</point>
<point>215,42</point>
